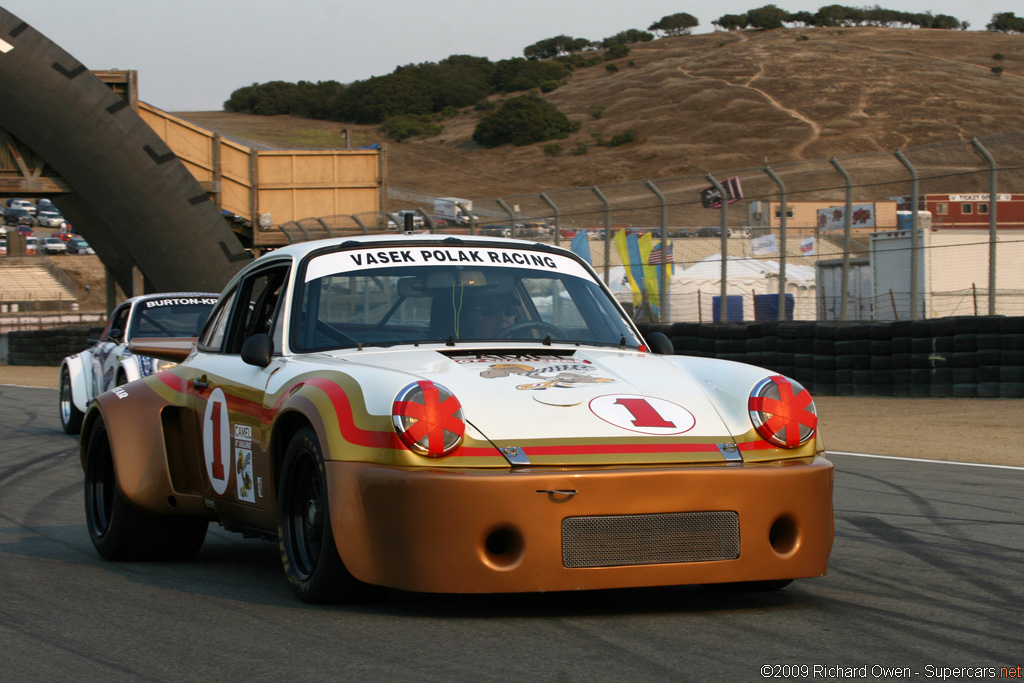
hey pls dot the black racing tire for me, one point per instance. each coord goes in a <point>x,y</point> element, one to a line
<point>119,531</point>
<point>70,416</point>
<point>312,565</point>
<point>749,586</point>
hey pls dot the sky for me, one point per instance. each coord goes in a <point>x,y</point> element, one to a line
<point>192,54</point>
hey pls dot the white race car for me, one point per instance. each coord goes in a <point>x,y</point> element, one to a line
<point>108,362</point>
<point>456,414</point>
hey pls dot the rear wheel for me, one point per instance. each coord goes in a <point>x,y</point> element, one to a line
<point>70,416</point>
<point>308,551</point>
<point>119,531</point>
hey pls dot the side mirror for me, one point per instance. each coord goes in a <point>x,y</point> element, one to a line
<point>115,335</point>
<point>659,343</point>
<point>257,350</point>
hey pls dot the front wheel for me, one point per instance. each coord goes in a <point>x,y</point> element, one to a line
<point>305,536</point>
<point>117,530</point>
<point>70,416</point>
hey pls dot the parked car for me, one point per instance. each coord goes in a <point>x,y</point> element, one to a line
<point>417,219</point>
<point>495,230</point>
<point>77,245</point>
<point>456,414</point>
<point>681,232</point>
<point>109,363</point>
<point>22,204</point>
<point>53,245</point>
<point>713,231</point>
<point>17,215</point>
<point>50,219</point>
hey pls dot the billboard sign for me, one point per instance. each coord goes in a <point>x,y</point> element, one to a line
<point>834,218</point>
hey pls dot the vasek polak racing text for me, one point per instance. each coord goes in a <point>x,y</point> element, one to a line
<point>443,256</point>
<point>362,259</point>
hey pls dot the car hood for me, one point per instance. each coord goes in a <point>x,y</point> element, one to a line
<point>575,406</point>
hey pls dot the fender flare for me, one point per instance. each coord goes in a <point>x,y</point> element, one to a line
<point>80,376</point>
<point>138,450</point>
<point>130,365</point>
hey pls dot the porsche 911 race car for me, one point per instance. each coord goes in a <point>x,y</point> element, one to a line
<point>455,414</point>
<point>109,363</point>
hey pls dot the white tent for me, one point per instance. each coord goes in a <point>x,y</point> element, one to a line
<point>692,290</point>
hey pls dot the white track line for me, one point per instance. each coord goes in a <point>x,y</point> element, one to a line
<point>940,462</point>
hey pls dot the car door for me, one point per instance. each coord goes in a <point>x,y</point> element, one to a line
<point>228,398</point>
<point>106,354</point>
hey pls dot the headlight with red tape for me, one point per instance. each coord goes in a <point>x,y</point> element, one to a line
<point>783,412</point>
<point>428,419</point>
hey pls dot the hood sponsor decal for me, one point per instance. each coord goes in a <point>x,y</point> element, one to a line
<point>555,375</point>
<point>644,414</point>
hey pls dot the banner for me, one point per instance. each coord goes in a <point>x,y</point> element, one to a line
<point>807,247</point>
<point>580,246</point>
<point>651,280</point>
<point>834,218</point>
<point>764,245</point>
<point>711,199</point>
<point>634,273</point>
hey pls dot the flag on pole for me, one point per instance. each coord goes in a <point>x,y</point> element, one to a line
<point>580,246</point>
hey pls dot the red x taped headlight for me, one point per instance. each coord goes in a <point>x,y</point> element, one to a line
<point>428,419</point>
<point>783,412</point>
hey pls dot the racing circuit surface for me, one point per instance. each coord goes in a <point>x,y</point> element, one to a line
<point>925,574</point>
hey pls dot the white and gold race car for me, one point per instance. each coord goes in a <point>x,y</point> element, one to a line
<point>456,414</point>
<point>108,362</point>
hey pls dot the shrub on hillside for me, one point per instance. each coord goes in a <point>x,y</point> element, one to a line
<point>512,75</point>
<point>523,120</point>
<point>401,128</point>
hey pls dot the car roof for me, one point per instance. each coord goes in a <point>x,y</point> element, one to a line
<point>300,249</point>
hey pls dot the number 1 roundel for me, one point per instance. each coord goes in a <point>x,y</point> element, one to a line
<point>216,444</point>
<point>644,414</point>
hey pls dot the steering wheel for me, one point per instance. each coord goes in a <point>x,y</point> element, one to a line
<point>539,325</point>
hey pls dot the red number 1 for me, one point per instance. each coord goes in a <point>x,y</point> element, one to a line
<point>218,464</point>
<point>644,414</point>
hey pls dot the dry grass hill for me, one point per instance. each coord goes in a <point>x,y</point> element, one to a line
<point>714,102</point>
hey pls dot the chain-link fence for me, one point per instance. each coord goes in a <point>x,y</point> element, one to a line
<point>815,240</point>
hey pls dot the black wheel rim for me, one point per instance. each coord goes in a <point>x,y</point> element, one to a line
<point>304,515</point>
<point>99,486</point>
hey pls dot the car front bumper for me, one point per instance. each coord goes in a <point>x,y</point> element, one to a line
<point>477,531</point>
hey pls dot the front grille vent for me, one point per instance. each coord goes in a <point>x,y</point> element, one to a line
<point>621,540</point>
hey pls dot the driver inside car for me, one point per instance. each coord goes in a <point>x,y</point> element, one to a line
<point>491,315</point>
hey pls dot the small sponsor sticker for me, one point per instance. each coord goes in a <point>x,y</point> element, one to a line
<point>243,463</point>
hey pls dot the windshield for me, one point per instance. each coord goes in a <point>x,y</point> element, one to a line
<point>171,317</point>
<point>451,294</point>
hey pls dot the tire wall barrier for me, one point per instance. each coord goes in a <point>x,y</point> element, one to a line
<point>966,356</point>
<point>47,347</point>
